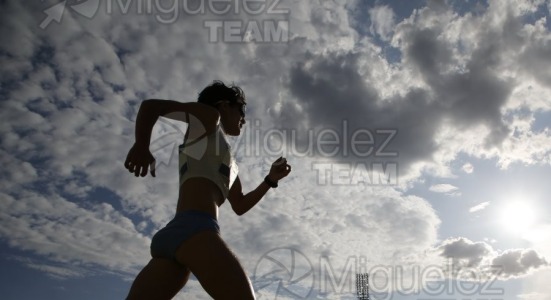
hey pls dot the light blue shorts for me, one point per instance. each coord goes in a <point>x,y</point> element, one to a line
<point>184,225</point>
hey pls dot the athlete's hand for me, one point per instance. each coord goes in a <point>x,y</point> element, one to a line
<point>280,168</point>
<point>139,159</point>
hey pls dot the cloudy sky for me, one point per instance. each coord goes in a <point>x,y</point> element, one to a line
<point>418,132</point>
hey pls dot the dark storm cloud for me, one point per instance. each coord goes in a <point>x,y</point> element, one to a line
<point>536,60</point>
<point>330,88</point>
<point>331,91</point>
<point>469,97</point>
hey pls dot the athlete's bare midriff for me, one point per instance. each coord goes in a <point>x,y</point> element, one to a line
<point>200,194</point>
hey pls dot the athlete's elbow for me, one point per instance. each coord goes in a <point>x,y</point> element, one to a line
<point>239,211</point>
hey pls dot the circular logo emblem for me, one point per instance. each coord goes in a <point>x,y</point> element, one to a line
<point>164,146</point>
<point>283,272</point>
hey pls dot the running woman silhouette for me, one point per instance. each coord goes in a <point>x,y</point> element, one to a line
<point>191,242</point>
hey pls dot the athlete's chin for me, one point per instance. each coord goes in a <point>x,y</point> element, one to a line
<point>235,132</point>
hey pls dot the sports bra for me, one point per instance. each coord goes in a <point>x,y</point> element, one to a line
<point>208,156</point>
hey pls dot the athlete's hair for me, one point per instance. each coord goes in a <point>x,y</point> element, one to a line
<point>218,91</point>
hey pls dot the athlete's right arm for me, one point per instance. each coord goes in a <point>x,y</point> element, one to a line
<point>151,109</point>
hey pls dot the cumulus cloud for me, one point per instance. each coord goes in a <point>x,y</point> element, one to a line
<point>479,207</point>
<point>468,168</point>
<point>382,21</point>
<point>465,252</point>
<point>463,89</point>
<point>66,232</point>
<point>335,216</point>
<point>518,262</point>
<point>444,188</point>
<point>487,262</point>
<point>70,94</point>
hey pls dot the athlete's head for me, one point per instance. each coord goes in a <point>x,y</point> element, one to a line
<point>230,102</point>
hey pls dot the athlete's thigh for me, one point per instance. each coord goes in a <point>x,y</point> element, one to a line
<point>160,279</point>
<point>215,266</point>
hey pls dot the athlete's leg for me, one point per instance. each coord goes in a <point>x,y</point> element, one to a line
<point>215,266</point>
<point>161,279</point>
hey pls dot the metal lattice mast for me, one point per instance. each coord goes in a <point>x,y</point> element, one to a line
<point>362,286</point>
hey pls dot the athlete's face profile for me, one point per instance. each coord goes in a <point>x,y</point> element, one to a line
<point>232,116</point>
<point>241,108</point>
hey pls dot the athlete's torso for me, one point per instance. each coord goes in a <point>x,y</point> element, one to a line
<point>207,171</point>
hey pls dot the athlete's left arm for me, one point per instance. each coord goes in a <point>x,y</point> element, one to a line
<point>242,203</point>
